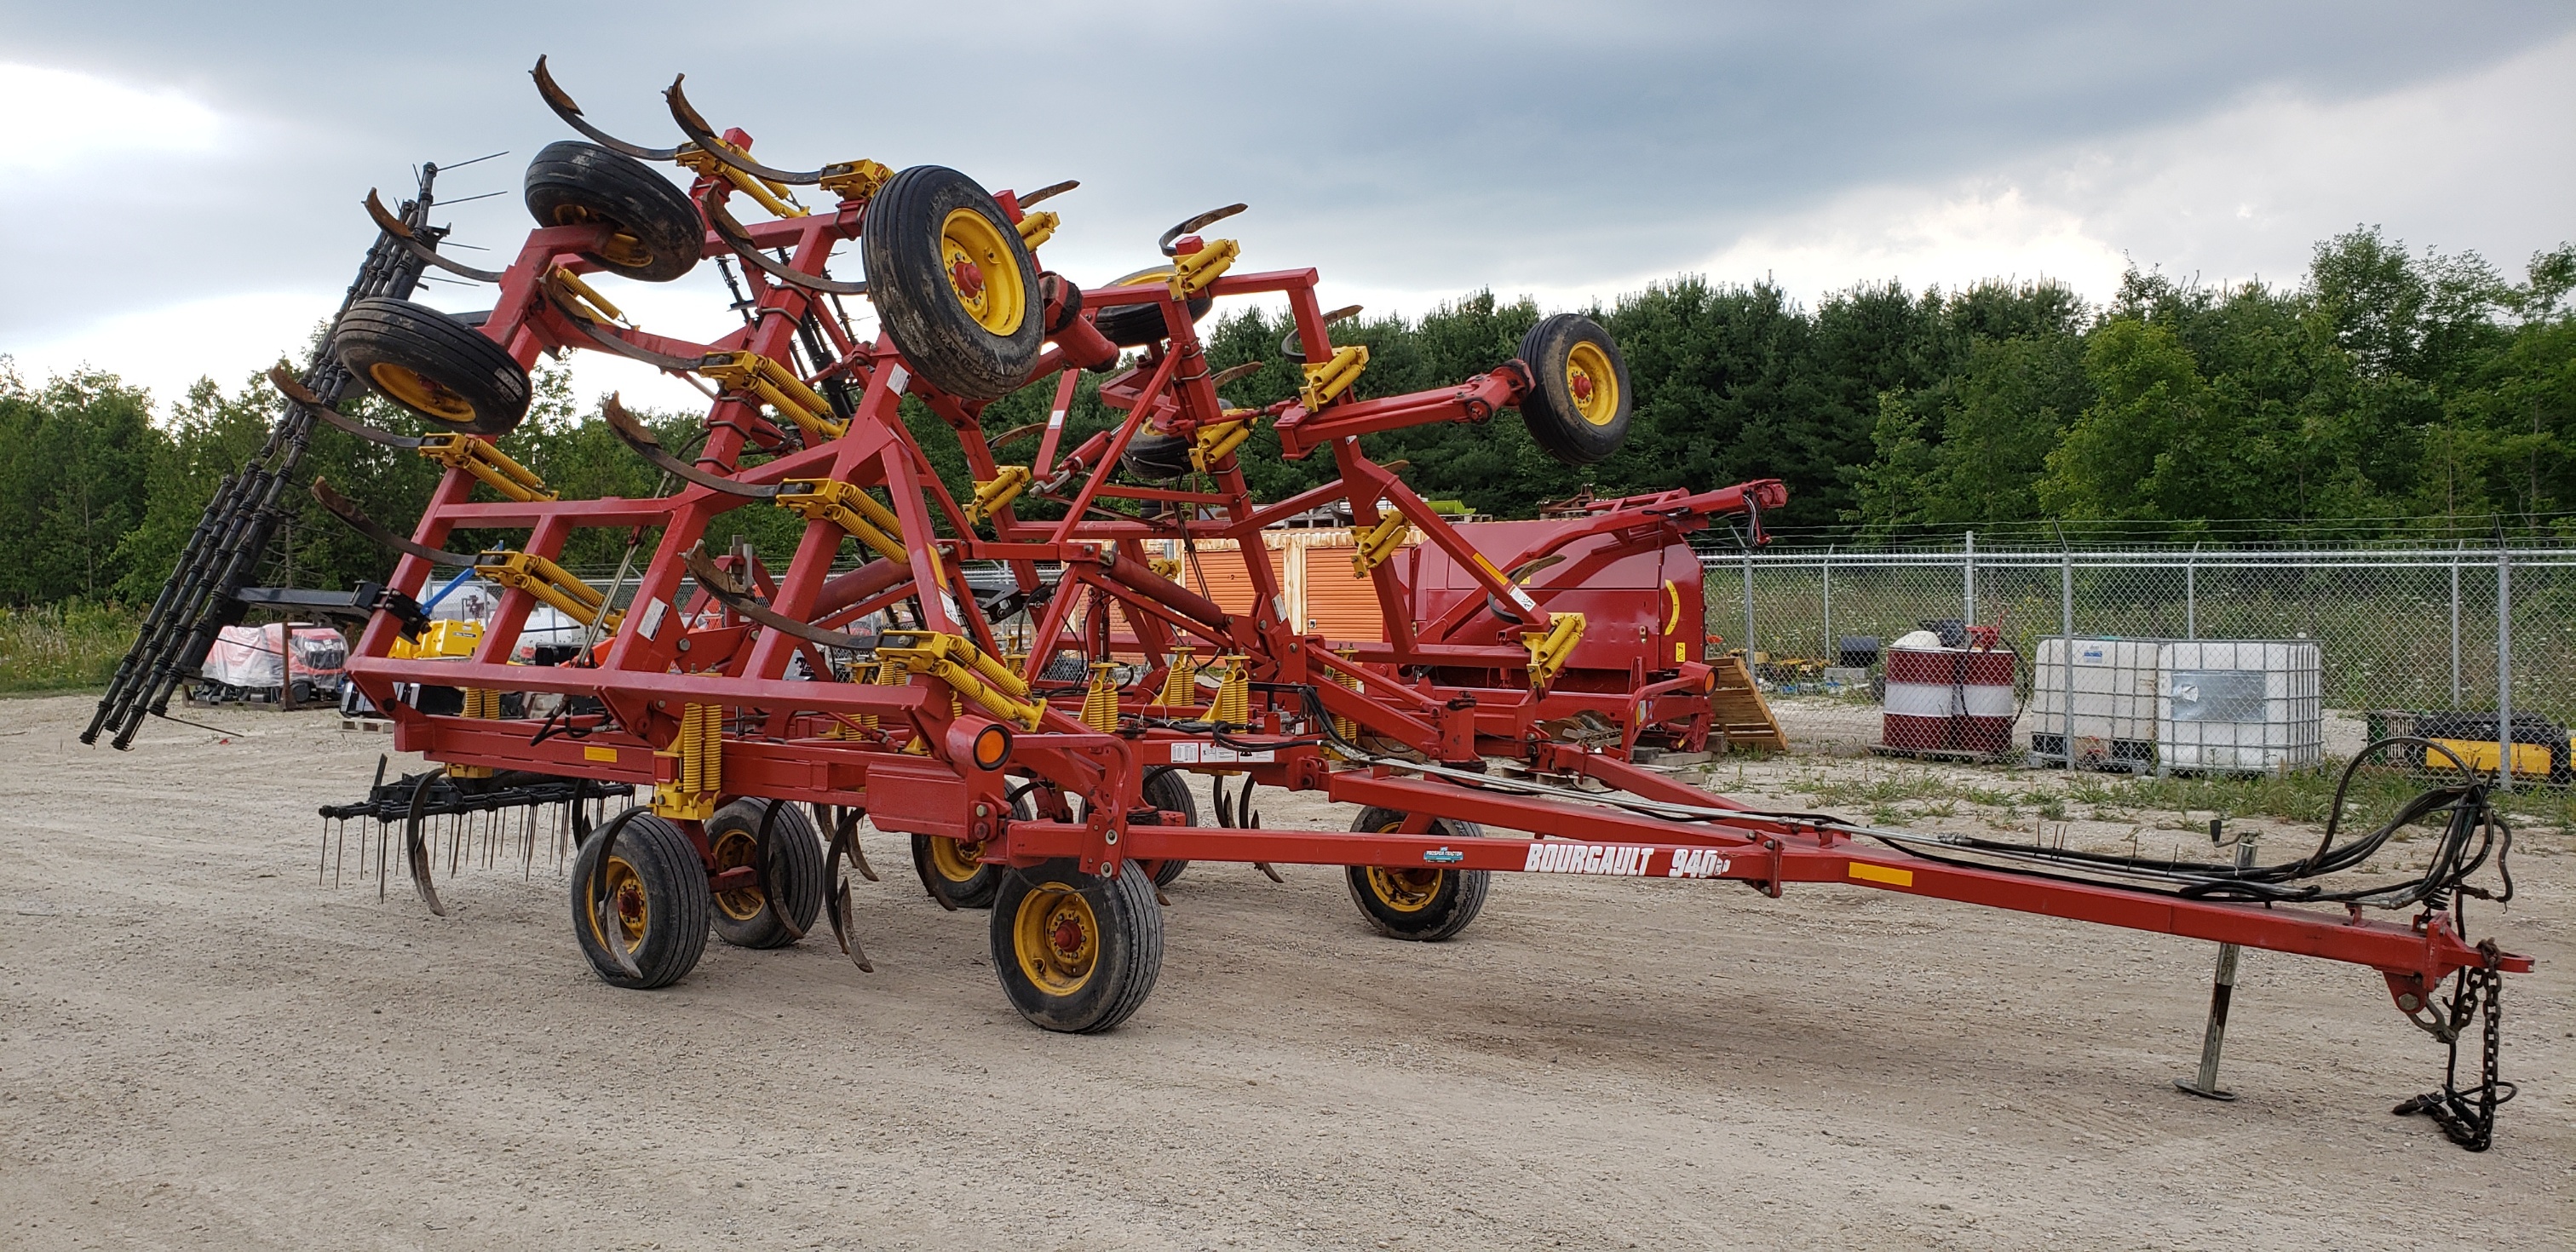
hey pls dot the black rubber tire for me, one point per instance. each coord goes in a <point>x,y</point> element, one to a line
<point>1169,790</point>
<point>908,279</point>
<point>1143,325</point>
<point>1551,410</point>
<point>1127,946</point>
<point>410,352</point>
<point>1156,458</point>
<point>660,235</point>
<point>795,872</point>
<point>1456,895</point>
<point>673,884</point>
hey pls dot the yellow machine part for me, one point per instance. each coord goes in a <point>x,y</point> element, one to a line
<point>1550,648</point>
<point>550,583</point>
<point>699,751</point>
<point>1327,379</point>
<point>1193,271</point>
<point>779,388</point>
<point>1181,681</point>
<point>485,462</point>
<point>955,660</point>
<point>1100,699</point>
<point>849,507</point>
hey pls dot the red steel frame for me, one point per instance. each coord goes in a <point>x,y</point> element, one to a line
<point>777,744</point>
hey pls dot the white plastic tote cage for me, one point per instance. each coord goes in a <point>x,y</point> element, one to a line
<point>2239,706</point>
<point>2115,682</point>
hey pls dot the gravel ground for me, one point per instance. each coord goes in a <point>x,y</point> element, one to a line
<point>201,1047</point>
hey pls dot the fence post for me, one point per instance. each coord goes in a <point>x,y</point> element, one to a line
<point>1969,568</point>
<point>2504,665</point>
<point>2066,621</point>
<point>2191,594</point>
<point>2456,546</point>
<point>1833,646</point>
<point>1748,611</point>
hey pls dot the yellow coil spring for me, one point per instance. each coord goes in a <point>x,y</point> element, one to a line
<point>1181,682</point>
<point>888,674</point>
<point>1233,692</point>
<point>482,702</point>
<point>1100,700</point>
<point>1343,727</point>
<point>702,749</point>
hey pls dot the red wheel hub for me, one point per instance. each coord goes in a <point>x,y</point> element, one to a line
<point>1067,936</point>
<point>969,280</point>
<point>1581,386</point>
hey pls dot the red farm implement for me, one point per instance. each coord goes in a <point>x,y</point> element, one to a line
<point>1014,678</point>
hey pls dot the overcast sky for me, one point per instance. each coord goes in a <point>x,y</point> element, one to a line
<point>181,193</point>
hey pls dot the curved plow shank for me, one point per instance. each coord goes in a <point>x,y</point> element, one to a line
<point>1048,192</point>
<point>760,849</point>
<point>563,105</point>
<point>415,851</point>
<point>845,839</point>
<point>396,227</point>
<point>287,385</point>
<point>718,584</point>
<point>342,507</point>
<point>730,230</point>
<point>634,434</point>
<point>610,343</point>
<point>704,135</point>
<point>1190,224</point>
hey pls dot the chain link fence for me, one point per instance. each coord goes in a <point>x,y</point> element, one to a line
<point>2416,630</point>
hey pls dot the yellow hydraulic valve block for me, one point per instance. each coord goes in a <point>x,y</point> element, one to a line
<point>549,583</point>
<point>779,388</point>
<point>849,507</point>
<point>954,660</point>
<point>1371,547</point>
<point>490,464</point>
<point>1550,648</point>
<point>1327,379</point>
<point>995,493</point>
<point>1100,699</point>
<point>1193,271</point>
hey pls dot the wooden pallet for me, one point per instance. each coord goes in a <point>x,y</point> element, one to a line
<point>1742,715</point>
<point>366,723</point>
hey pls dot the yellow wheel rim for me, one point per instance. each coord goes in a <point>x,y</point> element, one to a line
<point>1592,382</point>
<point>1404,890</point>
<point>733,851</point>
<point>982,271</point>
<point>421,393</point>
<point>1057,939</point>
<point>626,895</point>
<point>956,862</point>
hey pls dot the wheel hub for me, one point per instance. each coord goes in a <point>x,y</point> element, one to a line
<point>968,278</point>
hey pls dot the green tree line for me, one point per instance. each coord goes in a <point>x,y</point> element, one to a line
<point>2390,390</point>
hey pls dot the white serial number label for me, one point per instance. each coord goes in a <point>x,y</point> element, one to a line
<point>1218,754</point>
<point>1620,860</point>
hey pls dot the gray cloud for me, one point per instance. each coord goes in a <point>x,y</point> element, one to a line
<point>1418,146</point>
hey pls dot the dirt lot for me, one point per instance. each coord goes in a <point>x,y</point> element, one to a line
<point>200,1047</point>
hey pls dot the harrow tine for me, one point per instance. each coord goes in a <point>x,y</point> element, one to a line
<point>1048,192</point>
<point>414,851</point>
<point>294,389</point>
<point>562,103</point>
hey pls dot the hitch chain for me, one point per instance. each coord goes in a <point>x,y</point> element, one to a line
<point>2470,1125</point>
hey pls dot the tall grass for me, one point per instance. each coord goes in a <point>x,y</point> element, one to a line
<point>62,647</point>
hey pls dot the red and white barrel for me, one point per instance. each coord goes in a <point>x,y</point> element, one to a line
<point>1949,699</point>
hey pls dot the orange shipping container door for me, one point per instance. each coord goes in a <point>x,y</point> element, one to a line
<point>1227,580</point>
<point>1340,606</point>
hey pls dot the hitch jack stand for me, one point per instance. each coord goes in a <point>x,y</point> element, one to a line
<point>2222,988</point>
